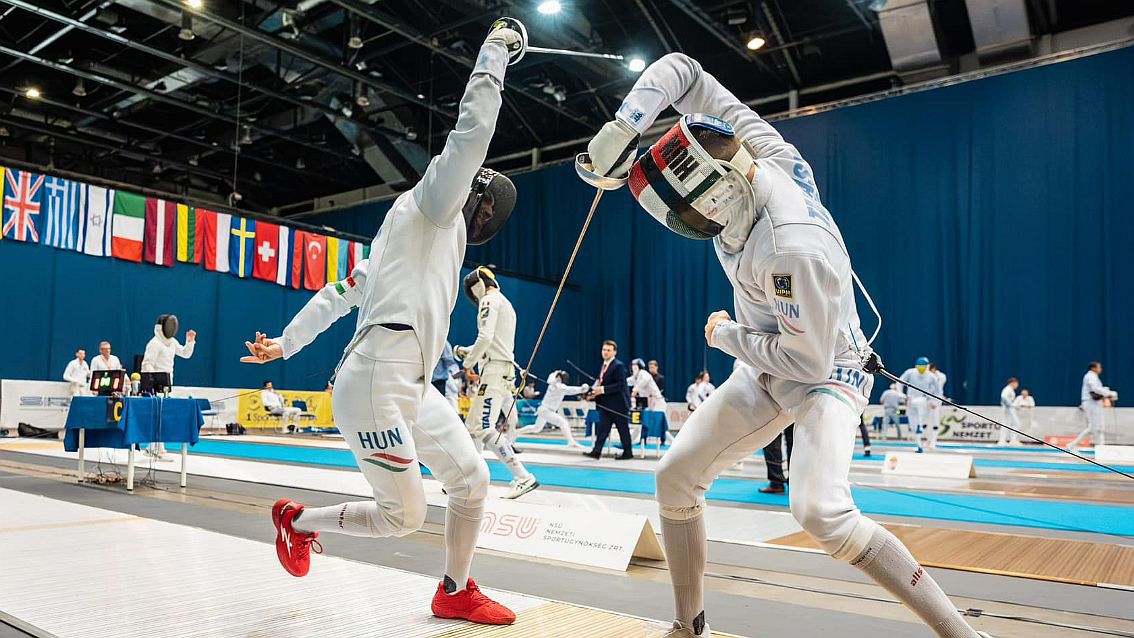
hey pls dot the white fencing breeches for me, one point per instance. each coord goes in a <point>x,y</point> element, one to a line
<point>1006,435</point>
<point>492,414</point>
<point>1093,411</point>
<point>918,412</point>
<point>546,415</point>
<point>392,419</point>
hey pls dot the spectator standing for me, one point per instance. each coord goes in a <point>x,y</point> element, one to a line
<point>1025,407</point>
<point>78,373</point>
<point>892,401</point>
<point>659,378</point>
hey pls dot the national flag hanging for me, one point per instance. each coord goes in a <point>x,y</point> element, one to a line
<point>23,199</point>
<point>215,235</point>
<point>129,226</point>
<point>190,235</point>
<point>266,251</point>
<point>355,256</point>
<point>65,203</point>
<point>333,252</point>
<point>366,251</point>
<point>298,250</point>
<point>314,261</point>
<point>240,247</point>
<point>287,256</point>
<point>2,182</point>
<point>94,237</point>
<point>161,220</point>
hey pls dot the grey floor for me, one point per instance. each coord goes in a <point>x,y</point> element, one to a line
<point>750,591</point>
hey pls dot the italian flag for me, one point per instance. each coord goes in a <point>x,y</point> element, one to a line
<point>190,235</point>
<point>129,226</point>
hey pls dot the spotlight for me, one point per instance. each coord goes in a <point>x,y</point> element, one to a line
<point>32,93</point>
<point>300,164</point>
<point>80,90</point>
<point>246,138</point>
<point>756,42</point>
<point>346,110</point>
<point>4,132</point>
<point>362,100</point>
<point>257,176</point>
<point>354,42</point>
<point>194,160</point>
<point>196,4</point>
<point>549,7</point>
<point>411,134</point>
<point>637,65</point>
<point>421,96</point>
<point>186,32</point>
<point>355,150</point>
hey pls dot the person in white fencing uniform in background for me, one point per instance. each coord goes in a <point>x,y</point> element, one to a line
<point>723,173</point>
<point>1008,402</point>
<point>492,413</point>
<point>548,411</point>
<point>644,392</point>
<point>1025,407</point>
<point>275,403</point>
<point>1093,397</point>
<point>159,357</point>
<point>384,405</point>
<point>919,404</point>
<point>78,374</point>
<point>892,400</point>
<point>699,390</point>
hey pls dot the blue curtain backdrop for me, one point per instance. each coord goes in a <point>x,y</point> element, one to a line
<point>988,220</point>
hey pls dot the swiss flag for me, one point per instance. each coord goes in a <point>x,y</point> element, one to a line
<point>314,261</point>
<point>266,251</point>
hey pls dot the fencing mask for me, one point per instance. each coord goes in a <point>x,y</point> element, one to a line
<point>478,282</point>
<point>169,325</point>
<point>488,206</point>
<point>695,178</point>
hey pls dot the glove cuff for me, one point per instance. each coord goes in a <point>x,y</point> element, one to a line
<point>641,107</point>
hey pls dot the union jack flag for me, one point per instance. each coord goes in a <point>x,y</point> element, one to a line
<point>23,197</point>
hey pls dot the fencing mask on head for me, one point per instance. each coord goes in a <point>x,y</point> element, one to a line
<point>490,203</point>
<point>478,282</point>
<point>922,364</point>
<point>695,179</point>
<point>169,325</point>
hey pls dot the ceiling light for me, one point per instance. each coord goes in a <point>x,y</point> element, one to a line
<point>196,4</point>
<point>80,90</point>
<point>637,65</point>
<point>362,100</point>
<point>186,32</point>
<point>355,150</point>
<point>32,92</point>
<point>411,134</point>
<point>300,164</point>
<point>194,160</point>
<point>257,176</point>
<point>421,96</point>
<point>354,42</point>
<point>4,132</point>
<point>756,42</point>
<point>246,138</point>
<point>549,7</point>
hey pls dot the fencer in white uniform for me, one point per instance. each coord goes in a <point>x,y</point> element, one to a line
<point>78,373</point>
<point>548,411</point>
<point>892,400</point>
<point>493,413</point>
<point>1092,397</point>
<point>919,404</point>
<point>1011,417</point>
<point>1025,407</point>
<point>390,415</point>
<point>796,330</point>
<point>643,386</point>
<point>159,356</point>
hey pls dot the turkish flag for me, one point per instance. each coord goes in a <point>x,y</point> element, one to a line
<point>266,251</point>
<point>314,261</point>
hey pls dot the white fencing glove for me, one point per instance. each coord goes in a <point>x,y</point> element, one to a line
<point>586,388</point>
<point>460,352</point>
<point>612,149</point>
<point>511,33</point>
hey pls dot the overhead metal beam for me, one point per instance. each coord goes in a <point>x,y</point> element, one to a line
<point>43,44</point>
<point>654,25</point>
<point>160,97</point>
<point>300,52</point>
<point>697,15</point>
<point>412,34</point>
<point>779,36</point>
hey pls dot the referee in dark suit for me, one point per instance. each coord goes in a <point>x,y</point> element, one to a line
<point>611,395</point>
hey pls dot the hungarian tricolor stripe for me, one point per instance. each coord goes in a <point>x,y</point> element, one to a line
<point>190,235</point>
<point>389,462</point>
<point>129,227</point>
<point>161,220</point>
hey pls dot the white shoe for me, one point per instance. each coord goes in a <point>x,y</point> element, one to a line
<point>681,631</point>
<point>520,487</point>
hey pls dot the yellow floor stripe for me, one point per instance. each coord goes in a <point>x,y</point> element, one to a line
<point>97,521</point>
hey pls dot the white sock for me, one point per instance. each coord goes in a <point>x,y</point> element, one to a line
<point>890,564</point>
<point>686,547</point>
<point>502,447</point>
<point>361,518</point>
<point>462,527</point>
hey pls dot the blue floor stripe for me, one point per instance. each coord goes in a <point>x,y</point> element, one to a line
<point>1103,519</point>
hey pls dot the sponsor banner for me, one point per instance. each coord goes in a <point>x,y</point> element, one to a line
<point>583,537</point>
<point>1041,422</point>
<point>958,466</point>
<point>43,404</point>
<point>251,412</point>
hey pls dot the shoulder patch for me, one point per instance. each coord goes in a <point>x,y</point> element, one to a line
<point>782,284</point>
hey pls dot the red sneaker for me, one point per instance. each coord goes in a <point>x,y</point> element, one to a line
<point>471,604</point>
<point>292,548</point>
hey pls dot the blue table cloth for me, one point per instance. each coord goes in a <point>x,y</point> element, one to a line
<point>654,423</point>
<point>120,423</point>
